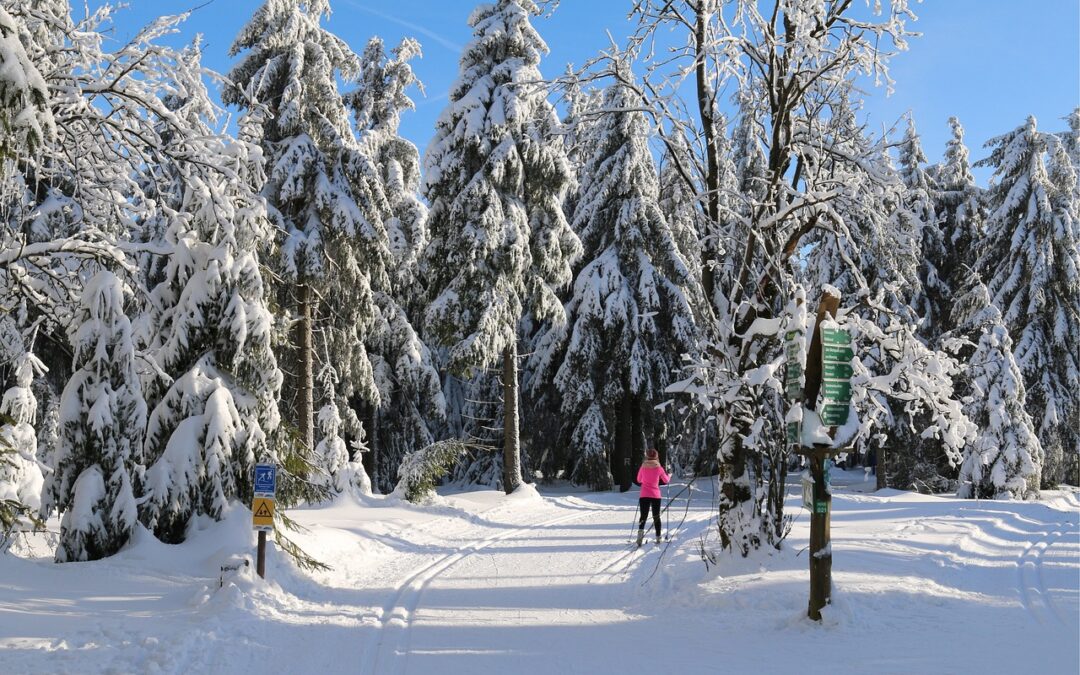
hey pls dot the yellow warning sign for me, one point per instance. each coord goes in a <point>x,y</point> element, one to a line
<point>262,513</point>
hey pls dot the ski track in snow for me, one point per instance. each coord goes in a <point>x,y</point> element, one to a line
<point>395,621</point>
<point>1037,599</point>
<point>479,582</point>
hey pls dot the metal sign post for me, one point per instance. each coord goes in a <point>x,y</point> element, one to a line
<point>262,510</point>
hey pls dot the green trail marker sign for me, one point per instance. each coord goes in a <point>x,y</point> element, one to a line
<point>793,368</point>
<point>793,433</point>
<point>836,372</point>
<point>836,353</point>
<point>837,390</point>
<point>834,414</point>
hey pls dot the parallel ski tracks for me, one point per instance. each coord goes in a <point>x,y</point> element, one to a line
<point>388,650</point>
<point>1034,595</point>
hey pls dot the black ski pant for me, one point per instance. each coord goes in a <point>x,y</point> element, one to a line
<point>645,503</point>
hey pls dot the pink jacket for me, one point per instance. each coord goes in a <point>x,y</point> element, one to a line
<point>650,476</point>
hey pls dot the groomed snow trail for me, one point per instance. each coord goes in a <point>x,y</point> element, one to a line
<point>509,576</point>
<point>539,583</point>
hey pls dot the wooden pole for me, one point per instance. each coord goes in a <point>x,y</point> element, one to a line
<point>260,560</point>
<point>820,514</point>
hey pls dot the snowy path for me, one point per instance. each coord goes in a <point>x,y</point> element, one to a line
<point>483,583</point>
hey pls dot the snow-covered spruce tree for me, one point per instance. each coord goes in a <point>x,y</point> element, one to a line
<point>1032,255</point>
<point>1065,205</point>
<point>916,461</point>
<point>217,416</point>
<point>1002,460</point>
<point>1071,137</point>
<point>495,177</point>
<point>318,188</point>
<point>410,391</point>
<point>336,471</point>
<point>630,315</point>
<point>25,116</point>
<point>102,421</point>
<point>21,480</point>
<point>961,215</point>
<point>931,303</point>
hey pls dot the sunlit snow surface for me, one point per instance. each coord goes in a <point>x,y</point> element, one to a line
<point>546,583</point>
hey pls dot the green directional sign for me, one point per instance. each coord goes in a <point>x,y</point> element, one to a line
<point>836,371</point>
<point>834,353</point>
<point>834,414</point>
<point>834,336</point>
<point>821,507</point>
<point>793,433</point>
<point>838,391</point>
<point>793,369</point>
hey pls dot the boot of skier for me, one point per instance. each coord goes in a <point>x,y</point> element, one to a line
<point>650,477</point>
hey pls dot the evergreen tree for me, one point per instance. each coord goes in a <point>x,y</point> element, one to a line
<point>1065,205</point>
<point>630,312</point>
<point>216,417</point>
<point>102,421</point>
<point>1034,258</point>
<point>495,177</point>
<point>931,304</point>
<point>25,117</point>
<point>410,392</point>
<point>20,475</point>
<point>321,192</point>
<point>960,208</point>
<point>1002,461</point>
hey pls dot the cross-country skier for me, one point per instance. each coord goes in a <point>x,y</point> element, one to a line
<point>650,477</point>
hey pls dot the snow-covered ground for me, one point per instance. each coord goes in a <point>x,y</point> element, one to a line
<point>546,583</point>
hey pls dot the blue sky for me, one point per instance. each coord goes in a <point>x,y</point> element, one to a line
<point>991,63</point>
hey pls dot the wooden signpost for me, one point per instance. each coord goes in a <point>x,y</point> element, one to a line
<point>828,372</point>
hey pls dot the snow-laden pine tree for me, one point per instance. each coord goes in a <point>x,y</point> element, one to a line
<point>217,415</point>
<point>1065,205</point>
<point>918,204</point>
<point>919,461</point>
<point>1032,256</point>
<point>25,116</point>
<point>495,177</point>
<point>630,314</point>
<point>410,391</point>
<point>321,196</point>
<point>961,213</point>
<point>102,421</point>
<point>21,480</point>
<point>1003,459</point>
<point>337,472</point>
<point>1072,137</point>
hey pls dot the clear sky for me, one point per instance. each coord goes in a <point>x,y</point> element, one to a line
<point>991,63</point>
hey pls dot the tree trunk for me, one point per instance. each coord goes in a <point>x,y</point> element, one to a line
<point>639,442</point>
<point>369,415</point>
<point>712,168</point>
<point>305,407</point>
<point>620,456</point>
<point>511,438</point>
<point>882,480</point>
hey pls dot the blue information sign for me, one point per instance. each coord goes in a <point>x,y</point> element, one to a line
<point>265,479</point>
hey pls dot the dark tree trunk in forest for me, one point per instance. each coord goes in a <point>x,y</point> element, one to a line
<point>882,479</point>
<point>511,438</point>
<point>638,440</point>
<point>305,405</point>
<point>620,456</point>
